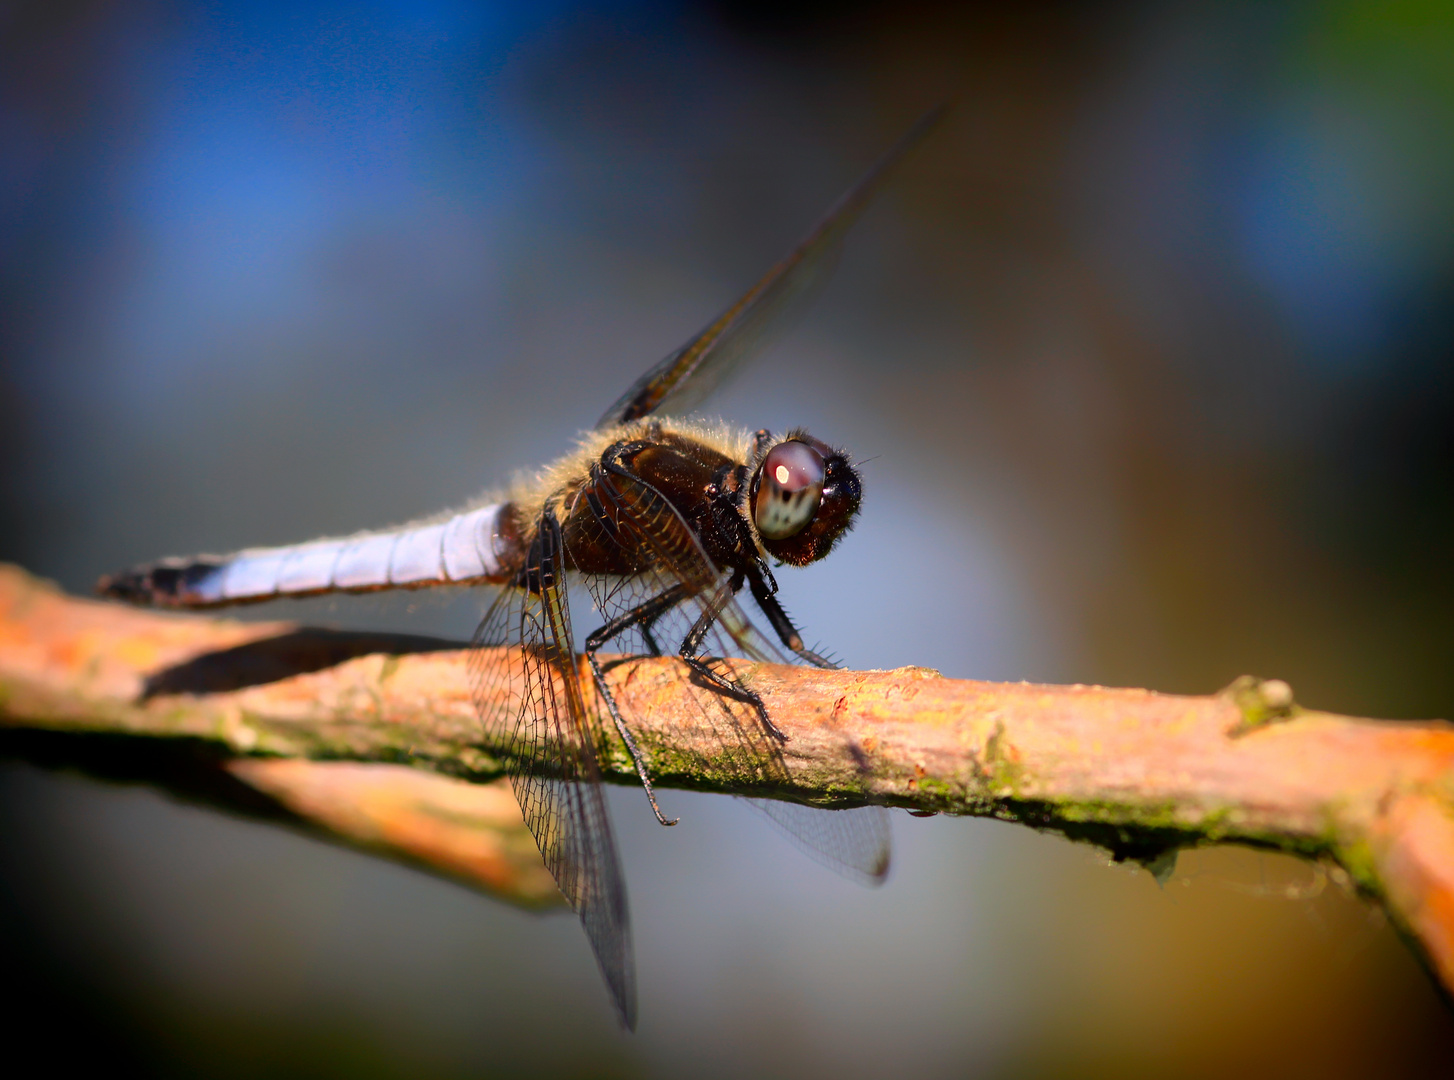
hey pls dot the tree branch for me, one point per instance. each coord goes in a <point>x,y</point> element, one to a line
<point>1137,772</point>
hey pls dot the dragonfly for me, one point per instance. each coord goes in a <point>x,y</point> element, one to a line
<point>665,519</point>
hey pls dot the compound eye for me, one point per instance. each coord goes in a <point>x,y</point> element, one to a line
<point>790,490</point>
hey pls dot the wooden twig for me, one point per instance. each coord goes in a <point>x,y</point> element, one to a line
<point>1137,772</point>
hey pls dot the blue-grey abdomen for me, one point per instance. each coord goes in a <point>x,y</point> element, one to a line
<point>463,549</point>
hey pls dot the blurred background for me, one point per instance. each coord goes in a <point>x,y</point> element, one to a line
<point>1149,347</point>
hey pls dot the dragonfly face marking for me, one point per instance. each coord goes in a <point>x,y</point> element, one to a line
<point>790,487</point>
<point>839,495</point>
<point>664,521</point>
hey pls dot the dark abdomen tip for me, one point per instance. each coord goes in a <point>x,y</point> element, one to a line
<point>174,583</point>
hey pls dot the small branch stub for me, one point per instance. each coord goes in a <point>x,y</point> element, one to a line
<point>1261,702</point>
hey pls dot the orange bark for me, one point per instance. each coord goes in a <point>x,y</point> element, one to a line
<point>1139,772</point>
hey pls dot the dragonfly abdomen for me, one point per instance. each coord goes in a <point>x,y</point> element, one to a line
<point>472,547</point>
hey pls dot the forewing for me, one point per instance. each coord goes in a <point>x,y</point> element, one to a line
<point>529,698</point>
<point>687,376</point>
<point>853,842</point>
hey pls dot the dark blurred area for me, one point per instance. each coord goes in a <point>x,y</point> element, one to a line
<point>1149,347</point>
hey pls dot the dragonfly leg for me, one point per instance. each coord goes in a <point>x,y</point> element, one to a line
<point>677,592</point>
<point>645,627</point>
<point>646,635</point>
<point>764,591</point>
<point>642,615</point>
<point>690,654</point>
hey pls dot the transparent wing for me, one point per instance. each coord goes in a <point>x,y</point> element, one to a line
<point>670,556</point>
<point>529,697</point>
<point>687,376</point>
<point>855,843</point>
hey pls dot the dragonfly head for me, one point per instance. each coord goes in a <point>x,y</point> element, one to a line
<point>804,495</point>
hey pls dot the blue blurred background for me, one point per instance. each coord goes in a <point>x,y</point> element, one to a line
<point>1149,347</point>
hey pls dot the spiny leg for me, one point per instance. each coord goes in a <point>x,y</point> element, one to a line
<point>643,614</point>
<point>690,653</point>
<point>764,591</point>
<point>644,628</point>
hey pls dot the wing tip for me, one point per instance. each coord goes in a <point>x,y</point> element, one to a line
<point>626,1014</point>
